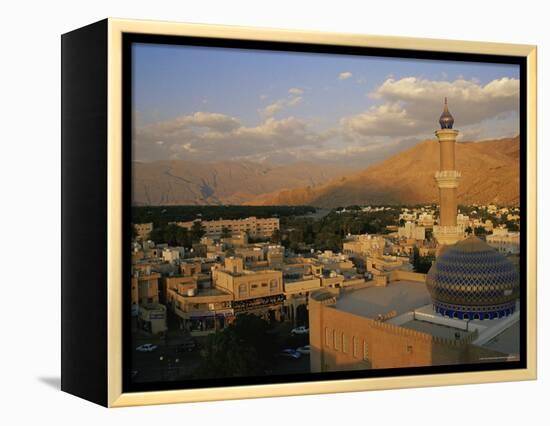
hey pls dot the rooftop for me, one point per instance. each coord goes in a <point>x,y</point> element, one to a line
<point>506,342</point>
<point>399,296</point>
<point>436,330</point>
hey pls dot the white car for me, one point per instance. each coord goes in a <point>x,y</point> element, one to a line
<point>300,330</point>
<point>290,353</point>
<point>147,347</point>
<point>304,350</point>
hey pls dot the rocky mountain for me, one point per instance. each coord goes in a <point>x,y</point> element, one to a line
<point>490,174</point>
<point>192,183</point>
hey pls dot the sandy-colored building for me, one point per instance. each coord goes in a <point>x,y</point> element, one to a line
<point>364,245</point>
<point>411,230</point>
<point>152,318</point>
<point>201,311</point>
<point>253,226</point>
<point>143,230</point>
<point>258,292</point>
<point>145,285</point>
<point>504,241</point>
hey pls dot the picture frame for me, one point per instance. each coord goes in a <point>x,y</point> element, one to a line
<point>97,142</point>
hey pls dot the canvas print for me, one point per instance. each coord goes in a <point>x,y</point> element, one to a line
<point>296,214</point>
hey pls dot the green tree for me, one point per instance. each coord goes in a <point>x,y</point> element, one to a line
<point>480,230</point>
<point>276,236</point>
<point>421,264</point>
<point>243,349</point>
<point>197,231</point>
<point>183,238</point>
<point>512,226</point>
<point>226,233</point>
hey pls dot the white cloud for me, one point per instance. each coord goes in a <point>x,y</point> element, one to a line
<point>344,75</point>
<point>206,136</point>
<point>406,110</point>
<point>296,91</point>
<point>411,106</point>
<point>272,109</point>
<point>294,98</point>
<point>295,101</point>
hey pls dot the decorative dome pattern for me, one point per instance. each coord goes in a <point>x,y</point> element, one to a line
<point>471,280</point>
<point>446,120</point>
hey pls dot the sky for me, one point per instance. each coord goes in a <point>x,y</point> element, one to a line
<point>219,104</point>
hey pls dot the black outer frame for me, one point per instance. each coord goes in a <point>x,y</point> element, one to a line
<point>84,143</point>
<point>130,38</point>
<point>84,202</point>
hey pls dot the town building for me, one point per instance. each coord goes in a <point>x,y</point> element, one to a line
<point>364,245</point>
<point>143,230</point>
<point>412,230</point>
<point>504,241</point>
<point>253,226</point>
<point>152,318</point>
<point>258,292</point>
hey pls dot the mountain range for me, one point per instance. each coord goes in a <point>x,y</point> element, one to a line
<point>181,182</point>
<point>490,174</point>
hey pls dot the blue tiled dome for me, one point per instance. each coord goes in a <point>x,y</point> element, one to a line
<point>471,280</point>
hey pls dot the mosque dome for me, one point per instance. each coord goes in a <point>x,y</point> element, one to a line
<point>471,280</point>
<point>446,120</point>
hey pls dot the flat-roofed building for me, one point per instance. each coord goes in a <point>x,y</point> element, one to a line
<point>152,318</point>
<point>200,311</point>
<point>259,292</point>
<point>145,285</point>
<point>504,241</point>
<point>143,230</point>
<point>253,226</point>
<point>364,245</point>
<point>411,230</point>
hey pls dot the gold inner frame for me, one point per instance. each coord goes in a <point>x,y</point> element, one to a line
<point>116,398</point>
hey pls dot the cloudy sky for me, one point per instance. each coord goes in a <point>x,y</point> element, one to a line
<point>212,104</point>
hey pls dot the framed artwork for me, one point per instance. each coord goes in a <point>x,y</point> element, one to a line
<point>250,212</point>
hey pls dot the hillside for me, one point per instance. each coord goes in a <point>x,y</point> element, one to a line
<point>490,174</point>
<point>193,183</point>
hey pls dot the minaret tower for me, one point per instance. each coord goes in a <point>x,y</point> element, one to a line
<point>447,178</point>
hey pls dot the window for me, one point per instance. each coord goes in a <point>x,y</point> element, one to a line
<point>273,285</point>
<point>264,284</point>
<point>365,351</point>
<point>344,343</point>
<point>242,289</point>
<point>336,337</point>
<point>254,286</point>
<point>355,343</point>
<point>327,336</point>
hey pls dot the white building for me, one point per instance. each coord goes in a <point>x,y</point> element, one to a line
<point>411,230</point>
<point>172,254</point>
<point>504,241</point>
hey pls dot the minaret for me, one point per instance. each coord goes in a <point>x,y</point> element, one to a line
<point>447,178</point>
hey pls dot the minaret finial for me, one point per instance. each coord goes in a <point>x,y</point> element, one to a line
<point>446,120</point>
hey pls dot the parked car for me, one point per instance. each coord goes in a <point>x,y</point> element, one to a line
<point>299,330</point>
<point>290,353</point>
<point>147,347</point>
<point>188,345</point>
<point>304,350</point>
